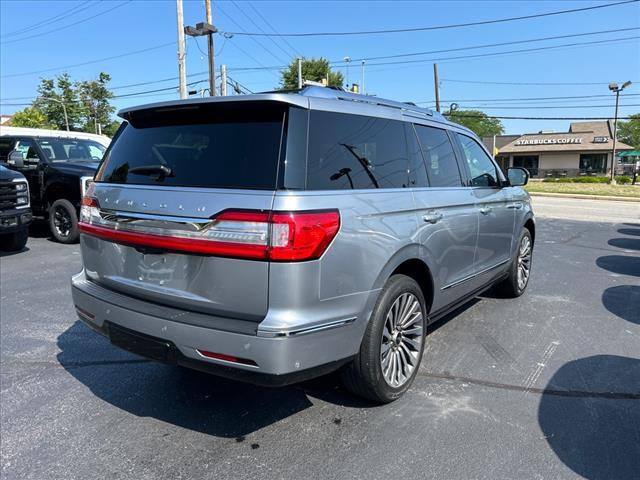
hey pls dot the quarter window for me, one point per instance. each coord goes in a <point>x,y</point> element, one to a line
<point>355,152</point>
<point>481,167</point>
<point>442,167</point>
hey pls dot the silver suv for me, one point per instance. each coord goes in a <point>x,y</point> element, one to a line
<point>279,236</point>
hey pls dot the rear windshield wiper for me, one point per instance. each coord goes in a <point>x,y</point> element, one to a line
<point>159,171</point>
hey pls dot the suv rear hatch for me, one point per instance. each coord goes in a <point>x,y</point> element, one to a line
<point>176,215</point>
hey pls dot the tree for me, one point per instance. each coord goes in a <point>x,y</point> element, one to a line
<point>52,94</point>
<point>111,128</point>
<point>312,69</point>
<point>94,96</point>
<point>479,122</point>
<point>629,132</point>
<point>30,117</point>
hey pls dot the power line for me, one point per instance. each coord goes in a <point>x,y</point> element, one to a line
<point>283,40</point>
<point>56,18</point>
<point>489,45</point>
<point>570,97</point>
<point>482,82</point>
<point>536,118</point>
<point>436,27</point>
<point>541,107</point>
<point>113,57</point>
<point>67,26</point>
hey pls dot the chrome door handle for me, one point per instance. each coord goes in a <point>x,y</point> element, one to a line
<point>486,210</point>
<point>433,217</point>
<point>517,205</point>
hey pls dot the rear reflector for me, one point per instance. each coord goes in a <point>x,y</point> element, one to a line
<point>227,358</point>
<point>256,235</point>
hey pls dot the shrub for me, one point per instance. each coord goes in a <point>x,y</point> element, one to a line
<point>623,179</point>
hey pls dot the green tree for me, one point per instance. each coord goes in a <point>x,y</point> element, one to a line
<point>94,96</point>
<point>111,128</point>
<point>479,122</point>
<point>312,69</point>
<point>52,94</point>
<point>30,117</point>
<point>629,132</point>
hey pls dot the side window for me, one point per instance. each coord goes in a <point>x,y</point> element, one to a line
<point>353,151</point>
<point>6,145</point>
<point>439,157</point>
<point>417,170</point>
<point>28,149</point>
<point>481,168</point>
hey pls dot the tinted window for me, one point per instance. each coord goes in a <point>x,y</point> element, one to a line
<point>353,151</point>
<point>6,145</point>
<point>209,146</point>
<point>439,157</point>
<point>481,168</point>
<point>417,170</point>
<point>62,149</point>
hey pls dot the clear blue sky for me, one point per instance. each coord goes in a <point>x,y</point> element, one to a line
<point>138,25</point>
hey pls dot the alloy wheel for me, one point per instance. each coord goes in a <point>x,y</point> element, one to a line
<point>62,221</point>
<point>402,338</point>
<point>524,262</point>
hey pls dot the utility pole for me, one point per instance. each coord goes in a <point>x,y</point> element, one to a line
<point>362,79</point>
<point>436,83</point>
<point>182,72</point>
<point>223,80</point>
<point>299,73</point>
<point>212,64</point>
<point>347,61</point>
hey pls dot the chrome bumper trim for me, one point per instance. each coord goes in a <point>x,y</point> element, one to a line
<point>305,330</point>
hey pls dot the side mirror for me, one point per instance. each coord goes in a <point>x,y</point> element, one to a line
<point>518,176</point>
<point>16,158</point>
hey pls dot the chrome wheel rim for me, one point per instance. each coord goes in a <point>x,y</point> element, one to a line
<point>524,262</point>
<point>62,221</point>
<point>402,338</point>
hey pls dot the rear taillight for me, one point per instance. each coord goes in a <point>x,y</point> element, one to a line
<point>258,235</point>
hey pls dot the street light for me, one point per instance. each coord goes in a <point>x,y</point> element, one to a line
<point>616,89</point>
<point>64,108</point>
<point>347,60</point>
<point>200,30</point>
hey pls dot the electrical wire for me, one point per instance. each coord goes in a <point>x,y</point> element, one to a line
<point>283,40</point>
<point>436,27</point>
<point>56,18</point>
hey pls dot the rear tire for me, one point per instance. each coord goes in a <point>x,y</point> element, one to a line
<point>14,242</point>
<point>393,343</point>
<point>63,221</point>
<point>520,270</point>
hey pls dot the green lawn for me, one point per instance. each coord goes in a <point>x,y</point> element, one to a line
<point>585,189</point>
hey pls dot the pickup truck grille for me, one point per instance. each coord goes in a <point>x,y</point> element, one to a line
<point>8,195</point>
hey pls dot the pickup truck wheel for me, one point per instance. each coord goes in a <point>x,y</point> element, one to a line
<point>63,221</point>
<point>14,242</point>
<point>393,343</point>
<point>520,270</point>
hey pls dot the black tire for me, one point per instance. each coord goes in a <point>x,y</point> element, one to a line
<point>510,287</point>
<point>63,221</point>
<point>364,376</point>
<point>14,242</point>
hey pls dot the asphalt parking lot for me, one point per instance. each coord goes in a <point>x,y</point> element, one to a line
<point>544,386</point>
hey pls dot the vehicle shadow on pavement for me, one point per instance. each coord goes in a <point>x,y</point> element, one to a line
<point>623,301</point>
<point>593,428</point>
<point>182,397</point>
<point>39,229</point>
<point>623,265</point>
<point>9,254</point>
<point>625,243</point>
<point>630,231</point>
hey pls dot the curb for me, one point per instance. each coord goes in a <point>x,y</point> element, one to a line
<point>585,197</point>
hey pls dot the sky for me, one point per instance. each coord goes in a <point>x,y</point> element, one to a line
<point>43,38</point>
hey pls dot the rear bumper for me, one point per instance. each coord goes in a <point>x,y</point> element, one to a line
<point>278,360</point>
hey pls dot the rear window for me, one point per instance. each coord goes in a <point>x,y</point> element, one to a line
<point>207,145</point>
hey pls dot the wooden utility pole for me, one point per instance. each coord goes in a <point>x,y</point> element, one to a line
<point>223,80</point>
<point>182,72</point>
<point>299,73</point>
<point>212,64</point>
<point>436,83</point>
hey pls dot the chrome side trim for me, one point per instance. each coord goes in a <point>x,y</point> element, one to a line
<point>305,330</point>
<point>473,275</point>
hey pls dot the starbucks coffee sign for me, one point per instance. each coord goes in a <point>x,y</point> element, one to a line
<point>548,141</point>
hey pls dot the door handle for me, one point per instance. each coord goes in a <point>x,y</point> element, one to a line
<point>486,210</point>
<point>433,217</point>
<point>517,205</point>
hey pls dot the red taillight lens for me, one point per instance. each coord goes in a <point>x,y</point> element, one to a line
<point>257,235</point>
<point>227,358</point>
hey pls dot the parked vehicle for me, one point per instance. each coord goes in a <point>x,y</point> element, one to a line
<point>58,166</point>
<point>276,237</point>
<point>15,210</point>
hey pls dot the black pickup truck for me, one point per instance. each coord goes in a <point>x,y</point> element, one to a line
<point>58,169</point>
<point>15,210</point>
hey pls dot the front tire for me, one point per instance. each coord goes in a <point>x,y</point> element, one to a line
<point>63,221</point>
<point>14,242</point>
<point>520,270</point>
<point>393,343</point>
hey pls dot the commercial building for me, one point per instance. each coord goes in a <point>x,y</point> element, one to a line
<point>584,150</point>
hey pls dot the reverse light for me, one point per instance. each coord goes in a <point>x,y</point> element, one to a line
<point>257,235</point>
